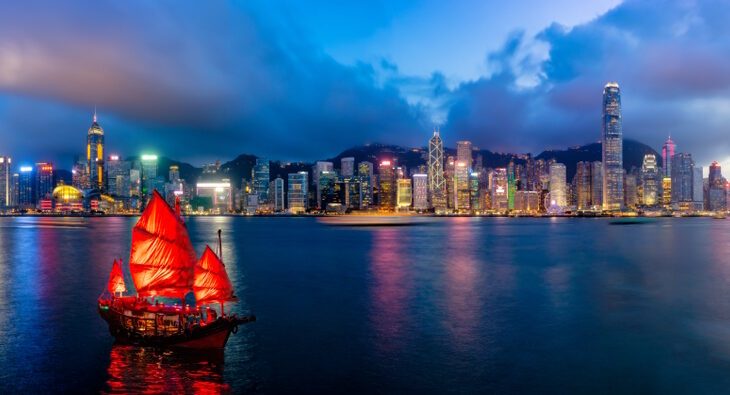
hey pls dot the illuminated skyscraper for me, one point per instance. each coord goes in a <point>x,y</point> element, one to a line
<point>682,171</point>
<point>148,173</point>
<point>261,178</point>
<point>461,186</point>
<point>557,185</point>
<point>698,193</point>
<point>95,155</point>
<point>631,189</point>
<point>498,189</point>
<point>650,180</point>
<point>25,187</point>
<point>43,181</point>
<point>436,180</point>
<point>716,193</point>
<point>475,195</point>
<point>365,174</point>
<point>464,153</point>
<point>597,185</point>
<point>386,186</point>
<point>420,192</point>
<point>583,185</point>
<point>347,167</point>
<point>612,150</point>
<point>297,193</point>
<point>6,182</point>
<point>117,176</point>
<point>404,193</point>
<point>278,198</point>
<point>667,156</point>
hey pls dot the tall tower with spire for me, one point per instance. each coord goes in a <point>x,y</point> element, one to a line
<point>667,155</point>
<point>436,180</point>
<point>95,155</point>
<point>612,147</point>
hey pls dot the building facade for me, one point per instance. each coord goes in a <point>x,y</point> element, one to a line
<point>612,148</point>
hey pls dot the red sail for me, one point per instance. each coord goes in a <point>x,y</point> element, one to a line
<point>116,278</point>
<point>162,260</point>
<point>211,280</point>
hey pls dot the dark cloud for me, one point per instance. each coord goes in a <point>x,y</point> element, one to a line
<point>670,58</point>
<point>212,81</point>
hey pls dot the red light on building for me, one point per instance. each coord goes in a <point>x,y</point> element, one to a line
<point>94,204</point>
<point>46,205</point>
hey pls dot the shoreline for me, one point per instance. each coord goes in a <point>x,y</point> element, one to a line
<point>426,215</point>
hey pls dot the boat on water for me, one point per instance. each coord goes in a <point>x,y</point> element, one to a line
<point>373,220</point>
<point>631,221</point>
<point>719,216</point>
<point>163,264</point>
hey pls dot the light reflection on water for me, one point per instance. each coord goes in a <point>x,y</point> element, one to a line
<point>463,305</point>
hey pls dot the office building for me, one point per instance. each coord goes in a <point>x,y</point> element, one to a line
<point>278,191</point>
<point>682,172</point>
<point>650,181</point>
<point>436,180</point>
<point>464,153</point>
<point>386,186</point>
<point>667,157</point>
<point>420,192</point>
<point>365,174</point>
<point>6,183</point>
<point>404,194</point>
<point>298,192</point>
<point>95,156</point>
<point>347,167</point>
<point>558,191</point>
<point>612,148</point>
<point>260,179</point>
<point>461,186</point>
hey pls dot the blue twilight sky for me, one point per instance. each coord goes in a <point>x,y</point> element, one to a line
<point>300,80</point>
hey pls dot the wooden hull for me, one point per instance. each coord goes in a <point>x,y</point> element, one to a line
<point>207,337</point>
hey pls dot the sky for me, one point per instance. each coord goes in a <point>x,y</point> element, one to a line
<point>293,80</point>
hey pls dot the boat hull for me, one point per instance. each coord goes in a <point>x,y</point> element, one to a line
<point>207,337</point>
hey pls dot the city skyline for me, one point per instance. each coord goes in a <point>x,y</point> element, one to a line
<point>526,86</point>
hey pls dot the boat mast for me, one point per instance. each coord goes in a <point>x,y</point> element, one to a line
<point>220,255</point>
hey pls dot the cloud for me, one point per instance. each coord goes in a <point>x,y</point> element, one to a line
<point>212,81</point>
<point>669,57</point>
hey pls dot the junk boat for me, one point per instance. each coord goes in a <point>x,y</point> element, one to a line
<point>163,263</point>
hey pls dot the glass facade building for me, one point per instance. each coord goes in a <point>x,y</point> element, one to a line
<point>612,148</point>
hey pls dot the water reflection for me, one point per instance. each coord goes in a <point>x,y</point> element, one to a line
<point>463,301</point>
<point>390,289</point>
<point>145,370</point>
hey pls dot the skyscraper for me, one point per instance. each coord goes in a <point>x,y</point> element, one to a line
<point>464,153</point>
<point>716,193</point>
<point>6,182</point>
<point>148,173</point>
<point>583,185</point>
<point>386,186</point>
<point>404,193</point>
<point>461,186</point>
<point>365,174</point>
<point>420,192</point>
<point>682,171</point>
<point>278,199</point>
<point>436,180</point>
<point>667,156</point>
<point>597,184</point>
<point>43,181</point>
<point>25,187</point>
<point>612,149</point>
<point>698,193</point>
<point>650,180</point>
<point>117,176</point>
<point>297,193</point>
<point>498,189</point>
<point>347,167</point>
<point>95,155</point>
<point>558,190</point>
<point>261,179</point>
